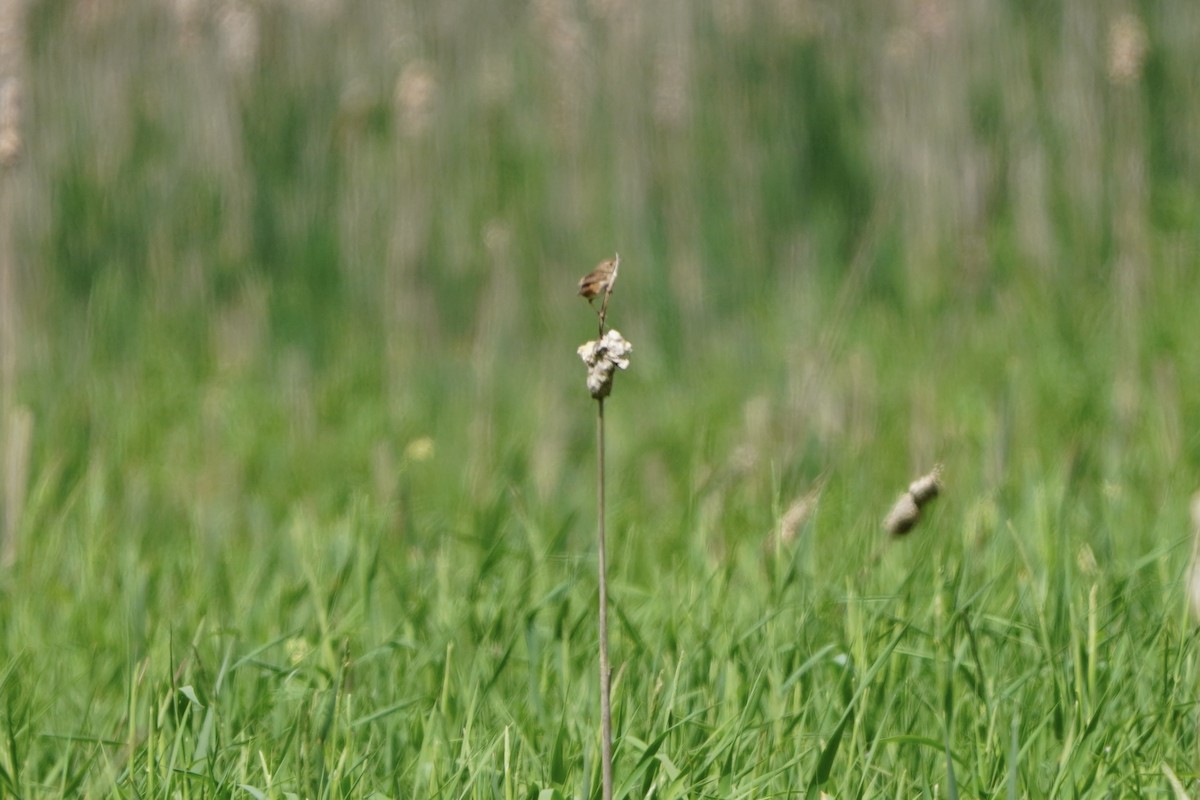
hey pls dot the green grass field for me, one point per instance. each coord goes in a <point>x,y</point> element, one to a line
<point>299,465</point>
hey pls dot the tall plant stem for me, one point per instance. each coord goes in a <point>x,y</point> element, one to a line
<point>605,672</point>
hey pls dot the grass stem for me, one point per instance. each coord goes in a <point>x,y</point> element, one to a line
<point>605,671</point>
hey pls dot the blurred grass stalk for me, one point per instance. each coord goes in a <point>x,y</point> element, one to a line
<point>1192,588</point>
<point>16,423</point>
<point>18,441</point>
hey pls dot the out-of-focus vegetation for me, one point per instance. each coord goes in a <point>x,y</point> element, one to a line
<point>297,453</point>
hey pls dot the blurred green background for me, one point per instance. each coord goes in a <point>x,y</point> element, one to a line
<point>377,211</point>
<point>270,267</point>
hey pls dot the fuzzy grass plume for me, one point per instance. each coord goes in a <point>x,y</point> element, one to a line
<point>906,512</point>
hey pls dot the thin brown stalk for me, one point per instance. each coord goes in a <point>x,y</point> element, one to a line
<point>603,357</point>
<point>605,671</point>
<point>606,757</point>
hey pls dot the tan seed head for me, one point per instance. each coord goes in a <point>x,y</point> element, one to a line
<point>906,513</point>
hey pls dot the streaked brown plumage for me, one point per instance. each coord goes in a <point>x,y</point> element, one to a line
<point>599,281</point>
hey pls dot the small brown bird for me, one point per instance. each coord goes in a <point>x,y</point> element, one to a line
<point>600,280</point>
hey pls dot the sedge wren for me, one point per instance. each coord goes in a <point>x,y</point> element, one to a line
<point>599,282</point>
